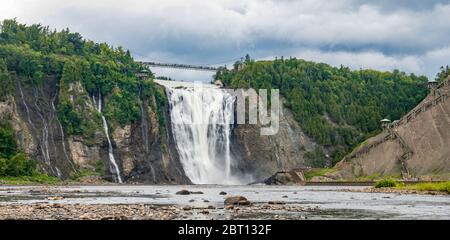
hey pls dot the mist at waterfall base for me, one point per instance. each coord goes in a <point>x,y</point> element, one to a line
<point>202,120</point>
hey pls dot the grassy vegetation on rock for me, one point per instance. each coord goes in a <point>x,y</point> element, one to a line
<point>425,186</point>
<point>386,183</point>
<point>317,173</point>
<point>429,186</point>
<point>37,178</point>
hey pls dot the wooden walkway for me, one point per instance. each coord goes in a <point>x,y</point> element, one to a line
<point>391,133</point>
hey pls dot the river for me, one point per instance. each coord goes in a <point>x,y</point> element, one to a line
<point>301,202</point>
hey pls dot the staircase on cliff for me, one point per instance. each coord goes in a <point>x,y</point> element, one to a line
<point>391,134</point>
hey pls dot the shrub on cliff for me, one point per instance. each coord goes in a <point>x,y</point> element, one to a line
<point>386,183</point>
<point>13,162</point>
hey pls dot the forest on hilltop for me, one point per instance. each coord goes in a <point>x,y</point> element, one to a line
<point>336,106</point>
<point>34,54</point>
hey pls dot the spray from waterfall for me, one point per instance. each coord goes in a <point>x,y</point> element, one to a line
<point>115,168</point>
<point>201,124</point>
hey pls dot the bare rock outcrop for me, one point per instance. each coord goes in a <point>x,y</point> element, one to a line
<point>143,150</point>
<point>416,146</point>
<point>263,156</point>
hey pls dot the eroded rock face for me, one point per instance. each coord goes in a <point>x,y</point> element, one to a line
<point>293,177</point>
<point>150,155</point>
<point>83,156</point>
<point>262,156</point>
<point>122,138</point>
<point>23,133</point>
<point>426,133</point>
<point>144,150</point>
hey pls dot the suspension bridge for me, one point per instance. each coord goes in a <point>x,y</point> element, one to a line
<point>182,66</point>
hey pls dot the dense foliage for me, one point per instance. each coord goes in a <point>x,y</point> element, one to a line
<point>13,162</point>
<point>33,55</point>
<point>443,74</point>
<point>34,52</point>
<point>336,106</point>
<point>386,183</point>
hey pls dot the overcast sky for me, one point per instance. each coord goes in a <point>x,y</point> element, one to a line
<point>413,36</point>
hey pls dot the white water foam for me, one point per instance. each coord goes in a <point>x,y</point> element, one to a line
<point>202,117</point>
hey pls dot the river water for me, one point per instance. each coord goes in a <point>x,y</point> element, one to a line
<point>319,202</point>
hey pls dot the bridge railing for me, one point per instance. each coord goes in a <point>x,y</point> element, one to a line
<point>182,66</point>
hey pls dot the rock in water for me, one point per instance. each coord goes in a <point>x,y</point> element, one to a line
<point>293,177</point>
<point>55,198</point>
<point>222,193</point>
<point>183,192</point>
<point>236,200</point>
<point>197,192</point>
<point>277,202</point>
<point>187,192</point>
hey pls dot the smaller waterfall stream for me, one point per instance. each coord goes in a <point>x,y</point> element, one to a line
<point>115,168</point>
<point>26,106</point>
<point>44,143</point>
<point>63,137</point>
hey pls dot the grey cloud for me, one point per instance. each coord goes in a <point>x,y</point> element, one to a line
<point>395,33</point>
<point>403,5</point>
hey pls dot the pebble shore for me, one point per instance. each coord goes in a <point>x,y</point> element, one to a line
<point>57,211</point>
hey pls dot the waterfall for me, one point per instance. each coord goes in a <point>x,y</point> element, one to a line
<point>201,126</point>
<point>63,138</point>
<point>115,169</point>
<point>44,143</point>
<point>25,105</point>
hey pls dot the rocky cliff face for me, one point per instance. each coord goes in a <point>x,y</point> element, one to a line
<point>416,146</point>
<point>144,150</point>
<point>262,156</point>
<point>148,150</point>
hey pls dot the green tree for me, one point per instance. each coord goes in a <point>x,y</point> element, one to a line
<point>8,144</point>
<point>337,107</point>
<point>443,74</point>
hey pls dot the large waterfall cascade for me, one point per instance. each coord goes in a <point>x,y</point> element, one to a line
<point>202,118</point>
<point>115,168</point>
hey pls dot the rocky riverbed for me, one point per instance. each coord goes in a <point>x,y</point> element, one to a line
<point>87,212</point>
<point>216,202</point>
<point>58,211</point>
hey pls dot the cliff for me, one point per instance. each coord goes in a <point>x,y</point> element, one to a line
<point>143,150</point>
<point>414,147</point>
<point>262,156</point>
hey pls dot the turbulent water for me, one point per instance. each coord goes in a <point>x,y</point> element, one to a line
<point>201,119</point>
<point>115,168</point>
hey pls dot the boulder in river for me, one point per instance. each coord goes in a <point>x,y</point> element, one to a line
<point>277,202</point>
<point>197,192</point>
<point>183,192</point>
<point>293,177</point>
<point>187,192</point>
<point>236,200</point>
